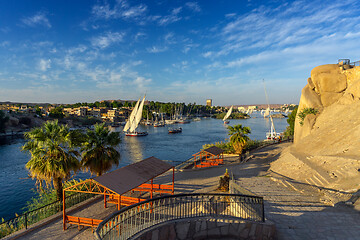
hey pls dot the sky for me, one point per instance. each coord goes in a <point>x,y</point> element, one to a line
<point>172,51</point>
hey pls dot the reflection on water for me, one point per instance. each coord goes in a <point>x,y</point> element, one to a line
<point>15,187</point>
<point>133,148</point>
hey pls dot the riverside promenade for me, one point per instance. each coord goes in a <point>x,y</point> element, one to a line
<point>296,209</point>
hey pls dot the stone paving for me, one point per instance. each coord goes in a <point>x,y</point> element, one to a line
<point>296,215</point>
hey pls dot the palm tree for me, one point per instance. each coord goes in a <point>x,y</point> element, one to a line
<point>98,152</point>
<point>53,154</point>
<point>239,137</point>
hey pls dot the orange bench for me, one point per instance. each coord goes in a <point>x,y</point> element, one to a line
<point>125,201</point>
<point>81,221</point>
<point>160,188</point>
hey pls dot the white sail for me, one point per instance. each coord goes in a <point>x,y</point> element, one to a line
<point>228,113</point>
<point>138,116</point>
<point>287,111</point>
<point>132,116</point>
<point>267,112</point>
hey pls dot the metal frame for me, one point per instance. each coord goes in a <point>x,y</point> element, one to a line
<point>92,187</point>
<point>136,218</point>
<point>210,159</point>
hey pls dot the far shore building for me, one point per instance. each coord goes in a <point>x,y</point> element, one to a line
<point>241,109</point>
<point>209,102</point>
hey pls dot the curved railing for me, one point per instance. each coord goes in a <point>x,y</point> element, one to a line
<point>131,220</point>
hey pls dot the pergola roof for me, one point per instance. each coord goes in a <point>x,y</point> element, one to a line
<point>214,150</point>
<point>129,177</point>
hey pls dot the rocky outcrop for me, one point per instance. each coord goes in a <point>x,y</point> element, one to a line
<point>329,84</point>
<point>326,147</point>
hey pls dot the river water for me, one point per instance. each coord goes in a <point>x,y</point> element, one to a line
<point>16,188</point>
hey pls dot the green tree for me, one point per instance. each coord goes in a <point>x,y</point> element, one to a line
<point>3,120</point>
<point>239,137</point>
<point>98,152</point>
<point>53,154</point>
<point>56,112</point>
<point>291,121</point>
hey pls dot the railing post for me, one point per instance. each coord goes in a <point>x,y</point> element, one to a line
<point>263,210</point>
<point>25,220</point>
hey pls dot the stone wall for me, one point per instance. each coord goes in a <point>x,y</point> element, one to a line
<point>209,228</point>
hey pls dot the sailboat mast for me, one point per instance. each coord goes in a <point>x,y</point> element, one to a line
<point>267,100</point>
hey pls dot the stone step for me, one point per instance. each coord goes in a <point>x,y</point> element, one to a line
<point>307,160</point>
<point>321,178</point>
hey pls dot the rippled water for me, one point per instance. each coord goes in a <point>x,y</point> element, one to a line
<point>16,188</point>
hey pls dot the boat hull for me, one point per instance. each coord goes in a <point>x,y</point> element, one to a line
<point>178,130</point>
<point>226,122</point>
<point>136,134</point>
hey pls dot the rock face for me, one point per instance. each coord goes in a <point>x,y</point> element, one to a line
<point>329,84</point>
<point>326,149</point>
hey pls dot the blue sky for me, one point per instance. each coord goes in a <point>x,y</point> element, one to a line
<point>183,51</point>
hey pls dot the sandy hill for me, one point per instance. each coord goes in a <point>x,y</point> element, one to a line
<point>326,149</point>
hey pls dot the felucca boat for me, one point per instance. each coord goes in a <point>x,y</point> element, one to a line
<point>227,116</point>
<point>134,120</point>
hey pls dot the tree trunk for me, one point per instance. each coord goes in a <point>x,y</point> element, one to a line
<point>58,188</point>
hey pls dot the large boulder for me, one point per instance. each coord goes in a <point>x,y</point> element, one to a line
<point>329,84</point>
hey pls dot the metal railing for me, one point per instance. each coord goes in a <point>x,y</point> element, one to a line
<point>355,64</point>
<point>133,219</point>
<point>28,218</point>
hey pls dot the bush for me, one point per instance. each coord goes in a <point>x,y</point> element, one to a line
<point>291,121</point>
<point>306,111</point>
<point>226,146</point>
<point>253,144</point>
<point>46,196</point>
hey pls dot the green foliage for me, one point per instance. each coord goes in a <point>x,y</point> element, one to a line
<point>3,120</point>
<point>98,151</point>
<point>304,112</point>
<point>239,137</point>
<point>88,120</point>
<point>38,111</point>
<point>56,112</point>
<point>235,115</point>
<point>53,149</point>
<point>291,121</point>
<point>46,196</point>
<point>226,146</point>
<point>253,144</point>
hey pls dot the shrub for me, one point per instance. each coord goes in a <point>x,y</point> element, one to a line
<point>291,121</point>
<point>304,112</point>
<point>226,146</point>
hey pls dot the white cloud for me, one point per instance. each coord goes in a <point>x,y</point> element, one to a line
<point>290,24</point>
<point>107,39</point>
<point>140,36</point>
<point>155,49</point>
<point>121,9</point>
<point>36,20</point>
<point>44,64</point>
<point>207,54</point>
<point>169,38</point>
<point>171,18</point>
<point>194,6</point>
<point>5,44</point>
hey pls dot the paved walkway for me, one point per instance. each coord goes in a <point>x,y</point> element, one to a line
<point>297,215</point>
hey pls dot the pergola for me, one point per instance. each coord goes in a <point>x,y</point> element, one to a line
<point>113,185</point>
<point>212,156</point>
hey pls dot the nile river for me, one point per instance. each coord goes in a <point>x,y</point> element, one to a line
<point>16,188</point>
